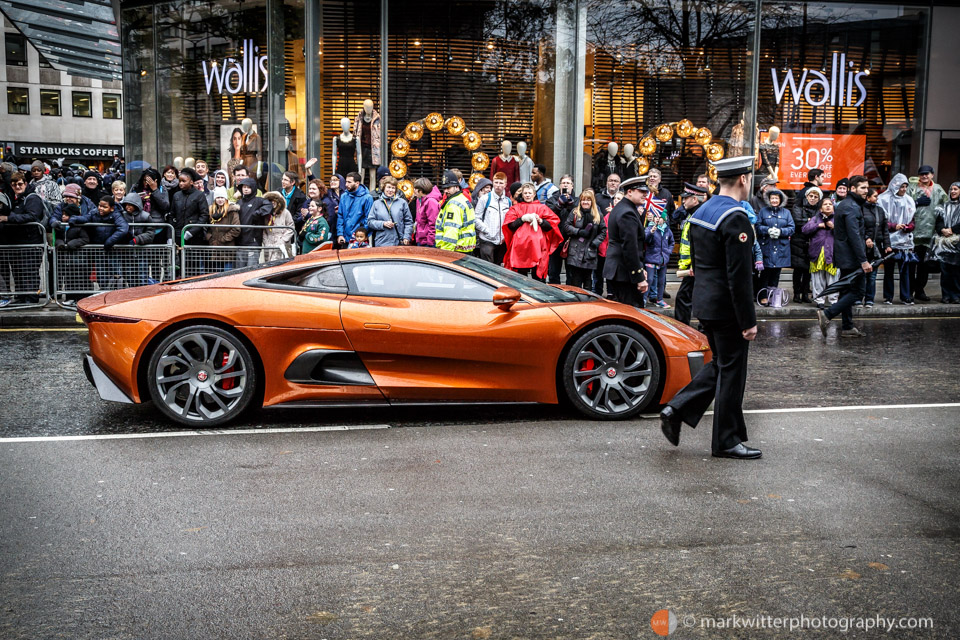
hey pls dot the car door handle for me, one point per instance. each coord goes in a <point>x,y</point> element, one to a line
<point>376,326</point>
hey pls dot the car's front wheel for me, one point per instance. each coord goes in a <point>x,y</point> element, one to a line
<point>611,372</point>
<point>202,376</point>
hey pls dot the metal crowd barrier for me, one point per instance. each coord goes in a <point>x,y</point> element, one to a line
<point>23,268</point>
<point>92,269</point>
<point>203,259</point>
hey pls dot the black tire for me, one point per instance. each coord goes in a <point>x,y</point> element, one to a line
<point>611,372</point>
<point>201,376</point>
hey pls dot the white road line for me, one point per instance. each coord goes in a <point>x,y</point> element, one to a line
<point>861,407</point>
<point>205,432</point>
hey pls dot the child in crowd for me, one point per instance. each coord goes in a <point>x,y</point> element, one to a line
<point>819,229</point>
<point>659,246</point>
<point>315,230</point>
<point>359,239</point>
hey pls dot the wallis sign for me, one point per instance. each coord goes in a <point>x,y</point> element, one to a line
<point>246,74</point>
<point>842,89</point>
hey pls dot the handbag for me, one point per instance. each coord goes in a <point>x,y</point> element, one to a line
<point>565,249</point>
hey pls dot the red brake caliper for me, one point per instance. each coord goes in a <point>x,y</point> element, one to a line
<point>229,383</point>
<point>588,365</point>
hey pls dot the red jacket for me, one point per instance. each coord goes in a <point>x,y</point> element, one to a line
<point>527,246</point>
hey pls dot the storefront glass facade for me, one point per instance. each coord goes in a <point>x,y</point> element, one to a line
<point>267,83</point>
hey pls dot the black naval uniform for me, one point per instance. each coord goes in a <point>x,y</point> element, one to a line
<point>623,269</point>
<point>721,246</point>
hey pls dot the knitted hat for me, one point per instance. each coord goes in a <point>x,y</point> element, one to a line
<point>514,188</point>
<point>220,192</point>
<point>91,174</point>
<point>71,191</point>
<point>38,164</point>
<point>815,190</point>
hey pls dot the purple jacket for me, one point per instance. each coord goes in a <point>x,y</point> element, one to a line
<point>659,245</point>
<point>819,238</point>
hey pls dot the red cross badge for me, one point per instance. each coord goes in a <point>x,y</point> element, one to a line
<point>743,237</point>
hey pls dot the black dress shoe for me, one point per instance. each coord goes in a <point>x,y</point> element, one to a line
<point>806,299</point>
<point>740,452</point>
<point>666,296</point>
<point>922,297</point>
<point>796,298</point>
<point>670,424</point>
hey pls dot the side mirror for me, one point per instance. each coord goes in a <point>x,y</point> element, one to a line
<point>505,297</point>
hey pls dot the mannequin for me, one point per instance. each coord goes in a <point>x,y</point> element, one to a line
<point>736,140</point>
<point>346,150</point>
<point>506,163</point>
<point>770,153</point>
<point>251,148</point>
<point>190,162</point>
<point>631,167</point>
<point>525,162</point>
<point>605,163</point>
<point>178,162</point>
<point>366,128</point>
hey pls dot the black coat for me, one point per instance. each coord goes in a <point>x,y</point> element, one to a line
<point>28,207</point>
<point>585,240</point>
<point>624,251</point>
<point>849,236</point>
<point>875,226</point>
<point>253,211</point>
<point>799,241</point>
<point>603,201</point>
<point>189,207</point>
<point>563,211</point>
<point>723,264</point>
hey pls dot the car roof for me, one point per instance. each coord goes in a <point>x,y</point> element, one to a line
<point>428,253</point>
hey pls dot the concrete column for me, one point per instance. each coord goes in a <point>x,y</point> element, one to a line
<point>313,32</point>
<point>570,57</point>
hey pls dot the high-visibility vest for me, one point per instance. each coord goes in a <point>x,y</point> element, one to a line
<point>684,261</point>
<point>455,230</point>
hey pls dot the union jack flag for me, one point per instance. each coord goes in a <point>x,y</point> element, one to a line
<point>654,204</point>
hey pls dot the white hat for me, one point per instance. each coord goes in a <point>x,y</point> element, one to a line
<point>730,167</point>
<point>639,182</point>
<point>220,192</point>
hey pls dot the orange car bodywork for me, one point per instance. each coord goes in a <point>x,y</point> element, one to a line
<point>416,350</point>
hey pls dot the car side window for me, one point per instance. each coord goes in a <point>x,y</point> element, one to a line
<point>399,279</point>
<point>328,278</point>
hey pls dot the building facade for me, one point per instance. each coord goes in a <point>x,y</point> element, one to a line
<point>849,87</point>
<point>50,114</point>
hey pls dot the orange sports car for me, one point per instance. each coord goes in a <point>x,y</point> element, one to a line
<point>379,327</point>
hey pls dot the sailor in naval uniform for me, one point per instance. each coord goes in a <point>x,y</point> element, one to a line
<point>721,247</point>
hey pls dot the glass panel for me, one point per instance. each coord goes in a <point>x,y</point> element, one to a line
<point>18,101</point>
<point>139,90</point>
<point>16,46</point>
<point>81,104</point>
<point>415,280</point>
<point>111,106</point>
<point>840,81</point>
<point>653,62</point>
<point>49,102</point>
<point>469,60</point>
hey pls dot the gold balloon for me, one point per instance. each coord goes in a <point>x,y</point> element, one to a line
<point>414,131</point>
<point>643,165</point>
<point>398,168</point>
<point>714,152</point>
<point>648,146</point>
<point>406,188</point>
<point>703,136</point>
<point>480,161</point>
<point>434,122</point>
<point>712,173</point>
<point>456,126</point>
<point>400,147</point>
<point>474,179</point>
<point>663,132</point>
<point>472,140</point>
<point>685,128</point>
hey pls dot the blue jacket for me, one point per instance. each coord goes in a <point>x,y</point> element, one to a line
<point>87,206</point>
<point>394,210</point>
<point>776,251</point>
<point>659,244</point>
<point>354,208</point>
<point>107,235</point>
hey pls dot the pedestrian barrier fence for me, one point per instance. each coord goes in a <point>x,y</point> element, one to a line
<point>92,268</point>
<point>23,267</point>
<point>203,259</point>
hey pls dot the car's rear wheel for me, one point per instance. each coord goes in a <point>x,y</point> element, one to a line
<point>611,372</point>
<point>201,376</point>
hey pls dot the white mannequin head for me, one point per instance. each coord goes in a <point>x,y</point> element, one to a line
<point>178,162</point>
<point>612,149</point>
<point>522,149</point>
<point>190,162</point>
<point>345,124</point>
<point>628,151</point>
<point>246,125</point>
<point>368,106</point>
<point>773,134</point>
<point>506,147</point>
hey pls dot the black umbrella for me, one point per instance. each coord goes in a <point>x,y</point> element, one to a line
<point>846,281</point>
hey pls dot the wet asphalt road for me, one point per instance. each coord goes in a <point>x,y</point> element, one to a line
<point>791,365</point>
<point>505,523</point>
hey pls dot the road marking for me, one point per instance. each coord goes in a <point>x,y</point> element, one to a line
<point>863,407</point>
<point>204,432</point>
<point>856,317</point>
<point>42,329</point>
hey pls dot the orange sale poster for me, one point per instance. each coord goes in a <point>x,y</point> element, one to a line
<point>840,156</point>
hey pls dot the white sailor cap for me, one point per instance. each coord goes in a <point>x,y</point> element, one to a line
<point>730,167</point>
<point>640,182</point>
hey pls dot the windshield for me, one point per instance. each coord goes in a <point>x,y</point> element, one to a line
<point>539,291</point>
